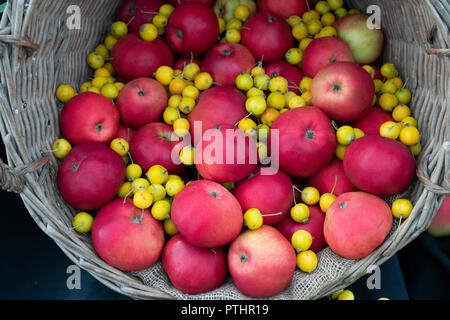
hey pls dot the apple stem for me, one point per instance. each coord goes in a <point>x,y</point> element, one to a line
<point>142,215</point>
<point>217,84</point>
<point>247,28</point>
<point>335,126</point>
<point>272,214</point>
<point>131,20</point>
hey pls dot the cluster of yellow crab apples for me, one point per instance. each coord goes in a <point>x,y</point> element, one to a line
<point>316,132</point>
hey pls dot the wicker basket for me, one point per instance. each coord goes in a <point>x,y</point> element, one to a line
<point>38,52</point>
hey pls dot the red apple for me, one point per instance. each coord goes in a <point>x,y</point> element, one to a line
<point>372,122</point>
<point>226,60</point>
<point>141,101</point>
<point>176,3</point>
<point>285,8</point>
<point>314,226</point>
<point>217,105</point>
<point>126,237</point>
<point>193,28</point>
<point>323,51</point>
<point>330,175</point>
<point>261,262</point>
<point>440,227</point>
<point>379,165</point>
<point>225,154</point>
<point>366,44</point>
<point>343,90</point>
<point>192,269</point>
<point>291,73</point>
<point>206,214</point>
<point>181,62</point>
<point>90,176</point>
<point>134,58</point>
<point>356,223</point>
<point>137,12</point>
<point>153,144</point>
<point>270,194</point>
<point>267,36</point>
<point>307,141</point>
<point>125,132</point>
<point>89,117</point>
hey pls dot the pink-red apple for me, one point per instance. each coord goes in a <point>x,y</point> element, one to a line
<point>90,176</point>
<point>206,214</point>
<point>192,29</point>
<point>126,237</point>
<point>372,122</point>
<point>314,226</point>
<point>261,262</point>
<point>323,51</point>
<point>153,144</point>
<point>226,61</point>
<point>137,12</point>
<point>343,90</point>
<point>440,227</point>
<point>306,143</point>
<point>267,36</point>
<point>141,101</point>
<point>379,165</point>
<point>134,58</point>
<point>332,178</point>
<point>125,132</point>
<point>291,73</point>
<point>356,223</point>
<point>366,43</point>
<point>226,154</point>
<point>192,269</point>
<point>285,8</point>
<point>271,194</point>
<point>89,117</point>
<point>220,104</point>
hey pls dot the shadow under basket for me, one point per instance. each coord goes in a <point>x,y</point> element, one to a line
<point>38,52</point>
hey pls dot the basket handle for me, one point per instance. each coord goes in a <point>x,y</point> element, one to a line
<point>13,179</point>
<point>424,176</point>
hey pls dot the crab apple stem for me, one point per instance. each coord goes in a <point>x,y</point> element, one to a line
<point>247,28</point>
<point>142,214</point>
<point>131,20</point>
<point>307,5</point>
<point>335,183</point>
<point>272,214</point>
<point>217,84</point>
<point>49,151</point>
<point>406,81</point>
<point>249,115</point>
<point>149,12</point>
<point>293,192</point>
<point>126,196</point>
<point>131,158</point>
<point>295,86</point>
<point>192,58</point>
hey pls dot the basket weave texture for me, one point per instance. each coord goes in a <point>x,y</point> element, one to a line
<point>38,52</point>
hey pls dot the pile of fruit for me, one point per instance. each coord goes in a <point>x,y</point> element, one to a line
<point>236,138</point>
